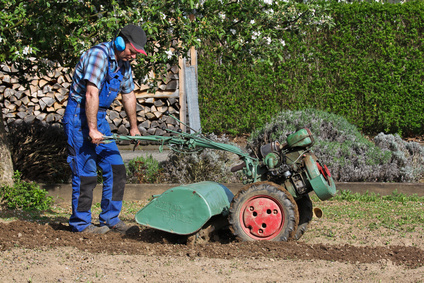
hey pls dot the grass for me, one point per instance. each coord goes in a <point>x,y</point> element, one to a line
<point>396,211</point>
<point>366,214</point>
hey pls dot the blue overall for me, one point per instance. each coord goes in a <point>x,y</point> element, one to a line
<point>84,157</point>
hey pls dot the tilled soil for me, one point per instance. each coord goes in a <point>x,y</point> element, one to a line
<point>152,242</point>
<point>33,252</point>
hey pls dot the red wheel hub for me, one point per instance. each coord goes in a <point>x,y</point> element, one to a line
<point>262,217</point>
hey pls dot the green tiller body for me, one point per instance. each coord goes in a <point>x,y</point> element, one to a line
<point>274,204</point>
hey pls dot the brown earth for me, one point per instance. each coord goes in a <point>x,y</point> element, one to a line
<point>32,252</point>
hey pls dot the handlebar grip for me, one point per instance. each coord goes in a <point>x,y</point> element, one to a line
<point>103,141</point>
<point>238,167</point>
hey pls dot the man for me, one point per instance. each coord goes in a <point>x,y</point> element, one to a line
<point>102,72</point>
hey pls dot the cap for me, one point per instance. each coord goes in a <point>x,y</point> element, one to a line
<point>136,36</point>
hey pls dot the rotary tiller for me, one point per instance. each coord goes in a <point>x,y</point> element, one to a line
<point>273,205</point>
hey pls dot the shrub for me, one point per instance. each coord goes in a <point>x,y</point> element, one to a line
<point>25,195</point>
<point>144,170</point>
<point>350,156</point>
<point>407,157</point>
<point>206,165</point>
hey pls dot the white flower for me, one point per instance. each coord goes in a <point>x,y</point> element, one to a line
<point>162,16</point>
<point>282,42</point>
<point>256,34</point>
<point>269,12</point>
<point>268,2</point>
<point>1,39</point>
<point>252,22</point>
<point>169,53</point>
<point>268,40</point>
<point>27,50</point>
<point>233,31</point>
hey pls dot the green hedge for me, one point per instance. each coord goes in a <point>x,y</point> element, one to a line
<point>368,69</point>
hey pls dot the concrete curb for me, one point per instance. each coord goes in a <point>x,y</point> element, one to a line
<point>63,192</point>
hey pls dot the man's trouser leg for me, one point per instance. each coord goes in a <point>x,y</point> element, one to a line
<point>114,177</point>
<point>82,159</point>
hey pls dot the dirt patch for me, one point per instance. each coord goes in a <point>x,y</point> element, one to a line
<point>418,139</point>
<point>51,253</point>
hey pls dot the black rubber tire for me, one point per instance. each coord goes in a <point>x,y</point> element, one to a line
<point>276,196</point>
<point>304,205</point>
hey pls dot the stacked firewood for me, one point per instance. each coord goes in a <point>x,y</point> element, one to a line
<point>44,97</point>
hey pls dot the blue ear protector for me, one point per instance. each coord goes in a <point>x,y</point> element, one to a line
<point>119,43</point>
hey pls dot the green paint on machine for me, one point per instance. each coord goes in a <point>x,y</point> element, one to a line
<point>185,209</point>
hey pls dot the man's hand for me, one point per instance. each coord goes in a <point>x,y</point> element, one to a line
<point>96,136</point>
<point>135,132</point>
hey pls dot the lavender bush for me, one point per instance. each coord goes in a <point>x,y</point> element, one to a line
<point>350,156</point>
<point>205,165</point>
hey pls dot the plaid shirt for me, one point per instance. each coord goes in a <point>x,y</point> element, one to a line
<point>92,67</point>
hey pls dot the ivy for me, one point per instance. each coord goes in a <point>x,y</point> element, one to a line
<point>366,68</point>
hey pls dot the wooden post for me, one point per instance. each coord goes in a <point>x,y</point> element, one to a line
<point>193,51</point>
<point>193,57</point>
<point>183,99</point>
